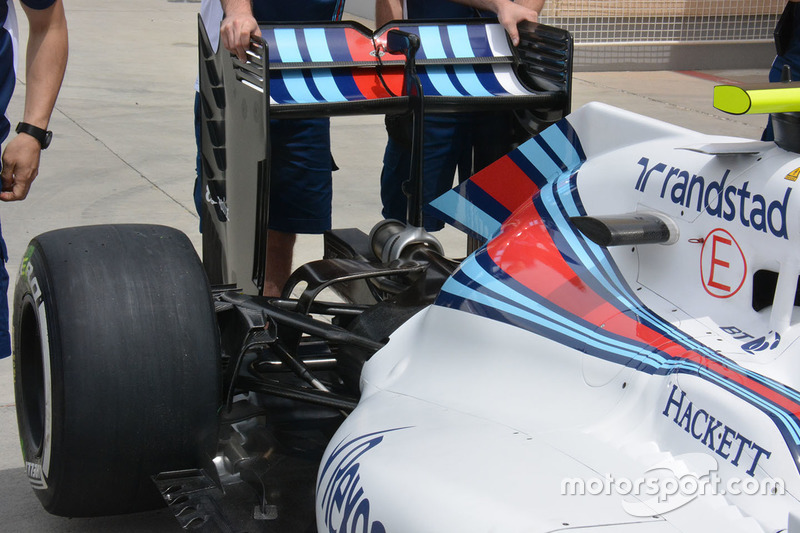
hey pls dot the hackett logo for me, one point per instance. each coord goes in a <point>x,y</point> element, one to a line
<point>717,198</point>
<point>713,433</point>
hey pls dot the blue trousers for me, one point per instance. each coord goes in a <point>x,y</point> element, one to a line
<point>452,142</point>
<point>301,168</point>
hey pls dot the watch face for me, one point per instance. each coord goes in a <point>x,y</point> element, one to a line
<point>48,136</point>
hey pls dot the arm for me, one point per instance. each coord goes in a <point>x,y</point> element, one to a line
<point>538,5</point>
<point>387,10</point>
<point>238,26</point>
<point>45,66</point>
<point>510,14</point>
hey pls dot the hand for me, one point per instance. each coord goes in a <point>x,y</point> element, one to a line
<point>20,167</point>
<point>235,32</point>
<point>510,15</point>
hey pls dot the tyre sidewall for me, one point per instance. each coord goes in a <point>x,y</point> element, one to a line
<point>133,352</point>
<point>33,295</point>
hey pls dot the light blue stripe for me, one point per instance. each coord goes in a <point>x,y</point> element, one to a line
<point>288,49</point>
<point>598,339</point>
<point>609,279</point>
<point>296,85</point>
<point>547,195</point>
<point>540,159</point>
<point>455,288</point>
<point>621,294</point>
<point>326,86</point>
<point>562,146</point>
<point>778,411</point>
<point>756,400</point>
<point>317,45</point>
<point>462,210</point>
<point>562,188</point>
<point>441,81</point>
<point>431,42</point>
<point>619,288</point>
<point>459,41</point>
<point>469,80</point>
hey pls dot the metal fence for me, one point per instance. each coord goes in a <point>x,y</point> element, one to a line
<point>646,32</point>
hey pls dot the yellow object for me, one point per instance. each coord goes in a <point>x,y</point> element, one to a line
<point>763,98</point>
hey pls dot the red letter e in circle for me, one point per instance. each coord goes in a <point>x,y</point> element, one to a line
<point>723,266</point>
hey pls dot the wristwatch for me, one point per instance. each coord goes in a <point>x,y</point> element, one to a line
<point>43,136</point>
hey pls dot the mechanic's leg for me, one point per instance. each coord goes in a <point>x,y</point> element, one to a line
<point>444,144</point>
<point>300,192</point>
<point>396,162</point>
<point>280,249</point>
<point>447,141</point>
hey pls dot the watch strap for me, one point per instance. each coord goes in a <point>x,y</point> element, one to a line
<point>43,136</point>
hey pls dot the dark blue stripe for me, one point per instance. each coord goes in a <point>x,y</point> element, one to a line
<point>457,302</point>
<point>415,30</point>
<point>478,40</point>
<point>542,327</point>
<point>337,44</point>
<point>428,88</point>
<point>528,168</point>
<point>278,90</point>
<point>489,80</point>
<point>589,276</point>
<point>572,137</point>
<point>312,87</point>
<point>445,37</point>
<point>302,45</point>
<point>488,204</point>
<point>269,37</point>
<point>346,84</point>
<point>553,155</point>
<point>451,74</point>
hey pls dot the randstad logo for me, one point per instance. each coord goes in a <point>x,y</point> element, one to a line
<point>717,198</point>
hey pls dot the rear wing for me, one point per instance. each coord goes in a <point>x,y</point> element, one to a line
<point>343,68</point>
<point>467,65</point>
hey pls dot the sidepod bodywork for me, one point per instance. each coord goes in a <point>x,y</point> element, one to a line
<point>559,380</point>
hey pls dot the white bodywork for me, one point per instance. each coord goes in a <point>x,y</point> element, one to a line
<point>542,368</point>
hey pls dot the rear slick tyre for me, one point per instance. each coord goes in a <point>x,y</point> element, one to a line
<point>116,365</point>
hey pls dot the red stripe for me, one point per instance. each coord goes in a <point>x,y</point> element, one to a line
<point>504,181</point>
<point>369,84</point>
<point>525,251</point>
<point>708,77</point>
<point>360,45</point>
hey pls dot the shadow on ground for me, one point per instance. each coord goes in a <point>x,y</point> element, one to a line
<point>22,513</point>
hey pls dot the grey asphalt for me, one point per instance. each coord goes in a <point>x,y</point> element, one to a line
<point>124,151</point>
